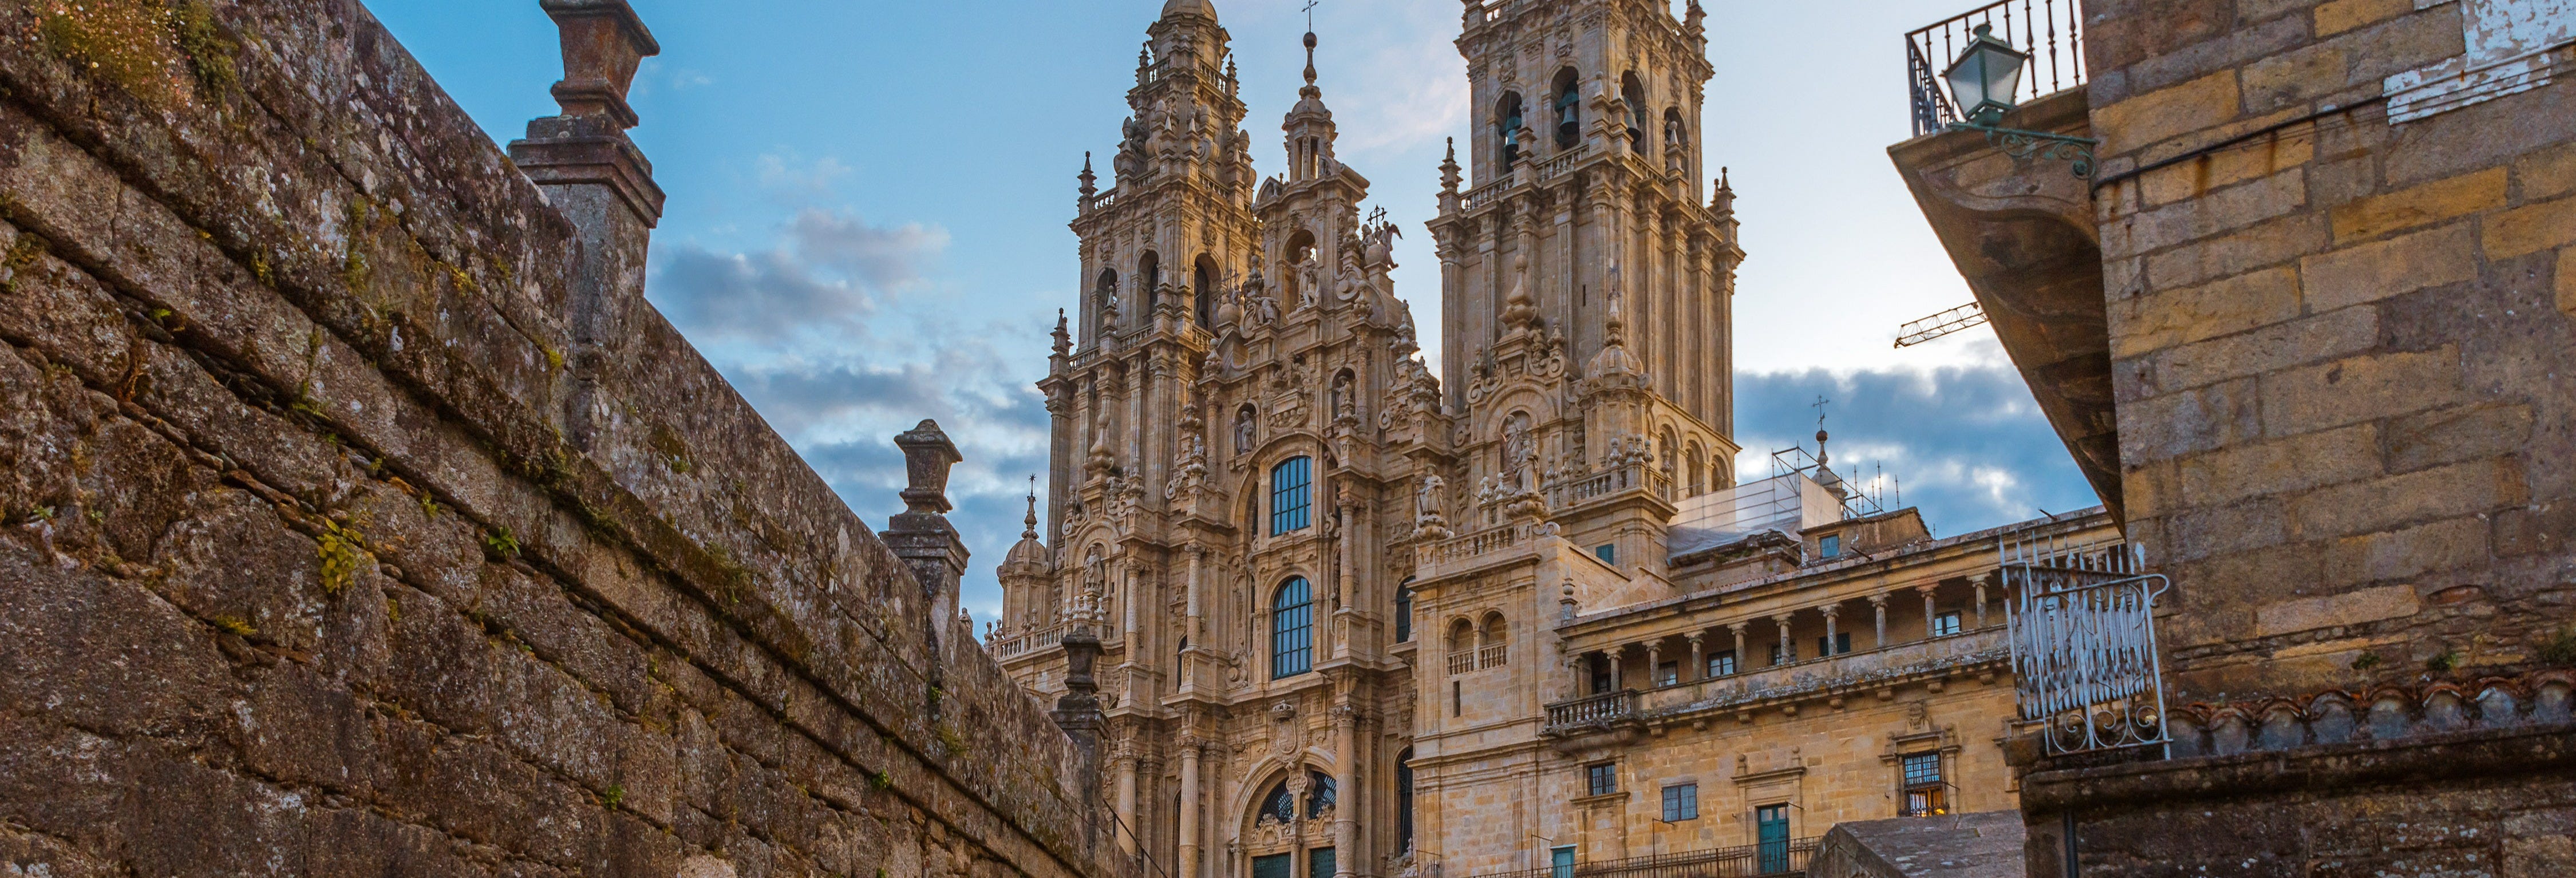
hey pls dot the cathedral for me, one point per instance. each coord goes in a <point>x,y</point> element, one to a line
<point>1298,545</point>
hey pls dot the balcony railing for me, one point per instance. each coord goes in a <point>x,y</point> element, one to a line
<point>1573,491</point>
<point>1598,710</point>
<point>1494,656</point>
<point>1783,857</point>
<point>1462,661</point>
<point>2052,31</point>
<point>1020,644</point>
<point>1825,676</point>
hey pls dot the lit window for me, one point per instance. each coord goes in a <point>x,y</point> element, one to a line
<point>1722,664</point>
<point>1925,792</point>
<point>1945,625</point>
<point>1830,547</point>
<point>1292,495</point>
<point>1601,779</point>
<point>1292,629</point>
<point>1681,802</point>
<point>1607,552</point>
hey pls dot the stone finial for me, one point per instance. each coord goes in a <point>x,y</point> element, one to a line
<point>603,44</point>
<point>927,455</point>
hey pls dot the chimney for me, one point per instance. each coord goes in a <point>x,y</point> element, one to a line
<point>596,178</point>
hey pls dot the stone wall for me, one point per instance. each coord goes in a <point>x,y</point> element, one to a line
<point>335,544</point>
<point>2341,336</point>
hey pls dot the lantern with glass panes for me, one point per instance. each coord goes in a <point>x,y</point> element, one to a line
<point>1985,82</point>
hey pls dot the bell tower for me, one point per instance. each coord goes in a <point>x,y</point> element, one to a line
<point>1580,237</point>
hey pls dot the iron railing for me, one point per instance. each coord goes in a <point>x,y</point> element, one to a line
<point>1744,861</point>
<point>2083,634</point>
<point>2052,31</point>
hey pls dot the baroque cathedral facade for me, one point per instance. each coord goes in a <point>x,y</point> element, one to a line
<point>1287,532</point>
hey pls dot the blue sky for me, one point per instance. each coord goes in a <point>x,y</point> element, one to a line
<point>868,202</point>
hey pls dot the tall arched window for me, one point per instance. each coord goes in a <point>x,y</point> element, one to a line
<point>1404,801</point>
<point>1507,131</point>
<point>1292,629</point>
<point>1149,278</point>
<point>1203,292</point>
<point>1569,110</point>
<point>1634,92</point>
<point>1404,611</point>
<point>1691,464</point>
<point>1292,495</point>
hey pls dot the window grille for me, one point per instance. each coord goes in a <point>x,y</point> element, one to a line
<point>2081,621</point>
<point>1292,629</point>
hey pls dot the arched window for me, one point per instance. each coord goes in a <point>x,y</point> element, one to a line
<point>1203,292</point>
<point>1507,131</point>
<point>1104,298</point>
<point>1243,431</point>
<point>1569,110</point>
<point>1319,794</point>
<point>1665,452</point>
<point>1691,464</point>
<point>1292,495</point>
<point>1280,805</point>
<point>1292,629</point>
<point>1149,277</point>
<point>1634,93</point>
<point>1404,801</point>
<point>1462,636</point>
<point>1404,611</point>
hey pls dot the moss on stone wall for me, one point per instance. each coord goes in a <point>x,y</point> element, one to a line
<point>162,53</point>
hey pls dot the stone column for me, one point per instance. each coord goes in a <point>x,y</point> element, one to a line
<point>1190,805</point>
<point>1981,580</point>
<point>1197,623</point>
<point>1788,647</point>
<point>1618,667</point>
<point>1125,766</point>
<point>1833,613</point>
<point>1655,664</point>
<point>1743,659</point>
<point>1699,659</point>
<point>1928,608</point>
<point>1346,808</point>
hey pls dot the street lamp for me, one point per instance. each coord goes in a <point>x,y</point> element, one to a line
<point>1986,78</point>
<point>1984,82</point>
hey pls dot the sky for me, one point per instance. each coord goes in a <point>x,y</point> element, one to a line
<point>868,199</point>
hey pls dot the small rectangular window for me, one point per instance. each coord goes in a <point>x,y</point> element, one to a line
<point>1681,802</point>
<point>1780,657</point>
<point>1945,625</point>
<point>1841,643</point>
<point>1600,675</point>
<point>1668,674</point>
<point>1925,793</point>
<point>1601,779</point>
<point>1831,546</point>
<point>1457,698</point>
<point>1722,664</point>
<point>1607,552</point>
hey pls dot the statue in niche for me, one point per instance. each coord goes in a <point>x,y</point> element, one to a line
<point>1310,274</point>
<point>1243,431</point>
<point>1519,447</point>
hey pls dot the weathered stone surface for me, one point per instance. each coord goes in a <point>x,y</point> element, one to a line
<point>308,568</point>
